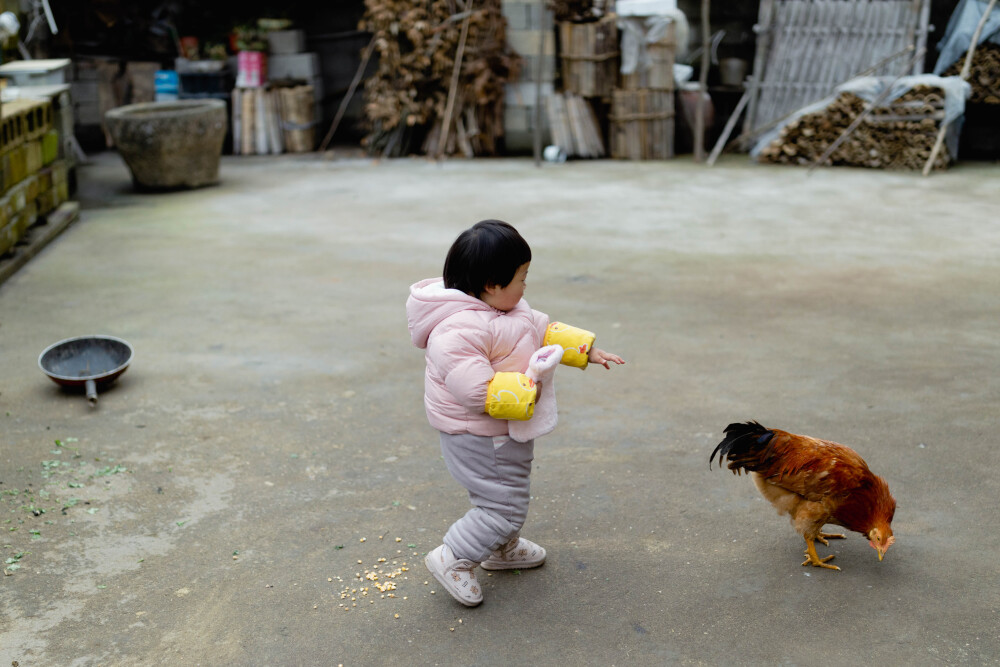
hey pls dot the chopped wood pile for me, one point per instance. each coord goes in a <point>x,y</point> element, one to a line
<point>984,75</point>
<point>439,83</point>
<point>897,135</point>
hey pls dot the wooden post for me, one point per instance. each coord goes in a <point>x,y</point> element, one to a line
<point>453,91</point>
<point>536,138</point>
<point>706,57</point>
<point>763,29</point>
<point>350,93</point>
<point>922,27</point>
<point>717,149</point>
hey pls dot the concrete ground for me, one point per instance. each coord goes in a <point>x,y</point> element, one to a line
<point>268,445</point>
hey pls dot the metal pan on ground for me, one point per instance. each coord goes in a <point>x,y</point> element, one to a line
<point>86,361</point>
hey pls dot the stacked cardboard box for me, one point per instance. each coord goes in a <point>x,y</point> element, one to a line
<point>33,181</point>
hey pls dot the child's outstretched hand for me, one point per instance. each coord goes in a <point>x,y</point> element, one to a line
<point>599,356</point>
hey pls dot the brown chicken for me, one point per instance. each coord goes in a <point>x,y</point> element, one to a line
<point>814,482</point>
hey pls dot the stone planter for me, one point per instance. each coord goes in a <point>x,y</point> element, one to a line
<point>170,144</point>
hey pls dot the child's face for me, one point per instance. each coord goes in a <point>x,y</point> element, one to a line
<point>505,298</point>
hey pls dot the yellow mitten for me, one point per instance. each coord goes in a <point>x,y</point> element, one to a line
<point>576,343</point>
<point>511,396</point>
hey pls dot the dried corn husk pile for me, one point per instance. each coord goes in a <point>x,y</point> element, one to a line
<point>984,74</point>
<point>899,135</point>
<point>417,42</point>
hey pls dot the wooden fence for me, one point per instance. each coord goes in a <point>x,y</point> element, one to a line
<point>806,48</point>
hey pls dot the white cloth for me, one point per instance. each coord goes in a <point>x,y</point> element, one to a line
<point>541,369</point>
<point>640,31</point>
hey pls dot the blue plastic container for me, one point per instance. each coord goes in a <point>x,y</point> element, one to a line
<point>167,85</point>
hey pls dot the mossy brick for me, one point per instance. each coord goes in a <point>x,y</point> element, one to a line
<point>9,235</point>
<point>30,214</point>
<point>17,196</point>
<point>7,211</point>
<point>31,188</point>
<point>50,147</point>
<point>47,201</point>
<point>62,192</point>
<point>33,156</point>
<point>44,179</point>
<point>60,173</point>
<point>18,164</point>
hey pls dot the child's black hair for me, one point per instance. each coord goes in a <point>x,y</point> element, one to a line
<point>485,255</point>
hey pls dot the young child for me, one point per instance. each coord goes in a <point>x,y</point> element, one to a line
<point>480,335</point>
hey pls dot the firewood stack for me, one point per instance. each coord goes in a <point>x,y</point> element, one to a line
<point>898,135</point>
<point>417,43</point>
<point>984,75</point>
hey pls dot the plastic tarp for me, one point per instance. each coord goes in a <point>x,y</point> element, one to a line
<point>869,88</point>
<point>639,31</point>
<point>961,26</point>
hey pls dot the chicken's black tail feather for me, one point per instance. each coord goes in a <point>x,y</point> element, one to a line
<point>743,445</point>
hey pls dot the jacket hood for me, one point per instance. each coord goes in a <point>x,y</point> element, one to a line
<point>430,303</point>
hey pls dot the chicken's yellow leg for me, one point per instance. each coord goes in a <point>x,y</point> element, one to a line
<point>823,537</point>
<point>813,559</point>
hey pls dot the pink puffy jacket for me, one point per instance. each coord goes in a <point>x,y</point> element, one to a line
<point>466,343</point>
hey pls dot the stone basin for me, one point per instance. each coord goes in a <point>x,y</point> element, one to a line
<point>170,145</point>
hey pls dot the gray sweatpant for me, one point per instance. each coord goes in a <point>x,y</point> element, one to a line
<point>496,478</point>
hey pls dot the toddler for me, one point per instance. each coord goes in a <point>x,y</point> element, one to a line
<point>488,390</point>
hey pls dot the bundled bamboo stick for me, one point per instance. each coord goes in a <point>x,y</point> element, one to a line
<point>574,125</point>
<point>898,135</point>
<point>642,125</point>
<point>588,53</point>
<point>419,57</point>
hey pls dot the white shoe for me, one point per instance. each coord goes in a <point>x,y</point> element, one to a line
<point>518,554</point>
<point>457,575</point>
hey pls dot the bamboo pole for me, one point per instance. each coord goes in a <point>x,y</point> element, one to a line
<point>453,91</point>
<point>350,93</point>
<point>536,138</point>
<point>730,124</point>
<point>965,76</point>
<point>764,29</point>
<point>699,113</point>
